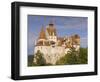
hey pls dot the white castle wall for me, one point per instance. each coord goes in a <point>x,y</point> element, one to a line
<point>51,54</point>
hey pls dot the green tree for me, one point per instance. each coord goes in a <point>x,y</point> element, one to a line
<point>40,61</point>
<point>69,58</point>
<point>30,60</point>
<point>62,60</point>
<point>83,56</point>
<point>74,57</point>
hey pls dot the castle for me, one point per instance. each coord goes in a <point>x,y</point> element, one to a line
<point>54,47</point>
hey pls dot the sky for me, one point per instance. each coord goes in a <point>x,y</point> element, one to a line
<point>65,26</point>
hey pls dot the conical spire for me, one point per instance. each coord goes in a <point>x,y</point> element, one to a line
<point>42,33</point>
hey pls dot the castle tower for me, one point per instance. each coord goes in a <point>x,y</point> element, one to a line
<point>42,38</point>
<point>41,41</point>
<point>42,33</point>
<point>51,32</point>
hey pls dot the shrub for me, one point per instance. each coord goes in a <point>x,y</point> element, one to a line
<point>39,59</point>
<point>74,57</point>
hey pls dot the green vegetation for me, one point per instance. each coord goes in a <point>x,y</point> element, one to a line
<point>83,57</point>
<point>40,61</point>
<point>74,57</point>
<point>30,60</point>
<point>71,58</point>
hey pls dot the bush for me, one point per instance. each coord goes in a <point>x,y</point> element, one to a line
<point>83,56</point>
<point>40,61</point>
<point>74,57</point>
<point>30,60</point>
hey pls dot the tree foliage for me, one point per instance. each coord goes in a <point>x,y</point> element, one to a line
<point>39,59</point>
<point>83,57</point>
<point>30,60</point>
<point>74,57</point>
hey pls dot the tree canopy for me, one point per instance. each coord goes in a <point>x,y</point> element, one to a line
<point>74,57</point>
<point>39,58</point>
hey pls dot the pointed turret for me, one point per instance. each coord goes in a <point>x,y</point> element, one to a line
<point>42,33</point>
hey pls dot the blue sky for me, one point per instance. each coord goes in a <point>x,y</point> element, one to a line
<point>65,26</point>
